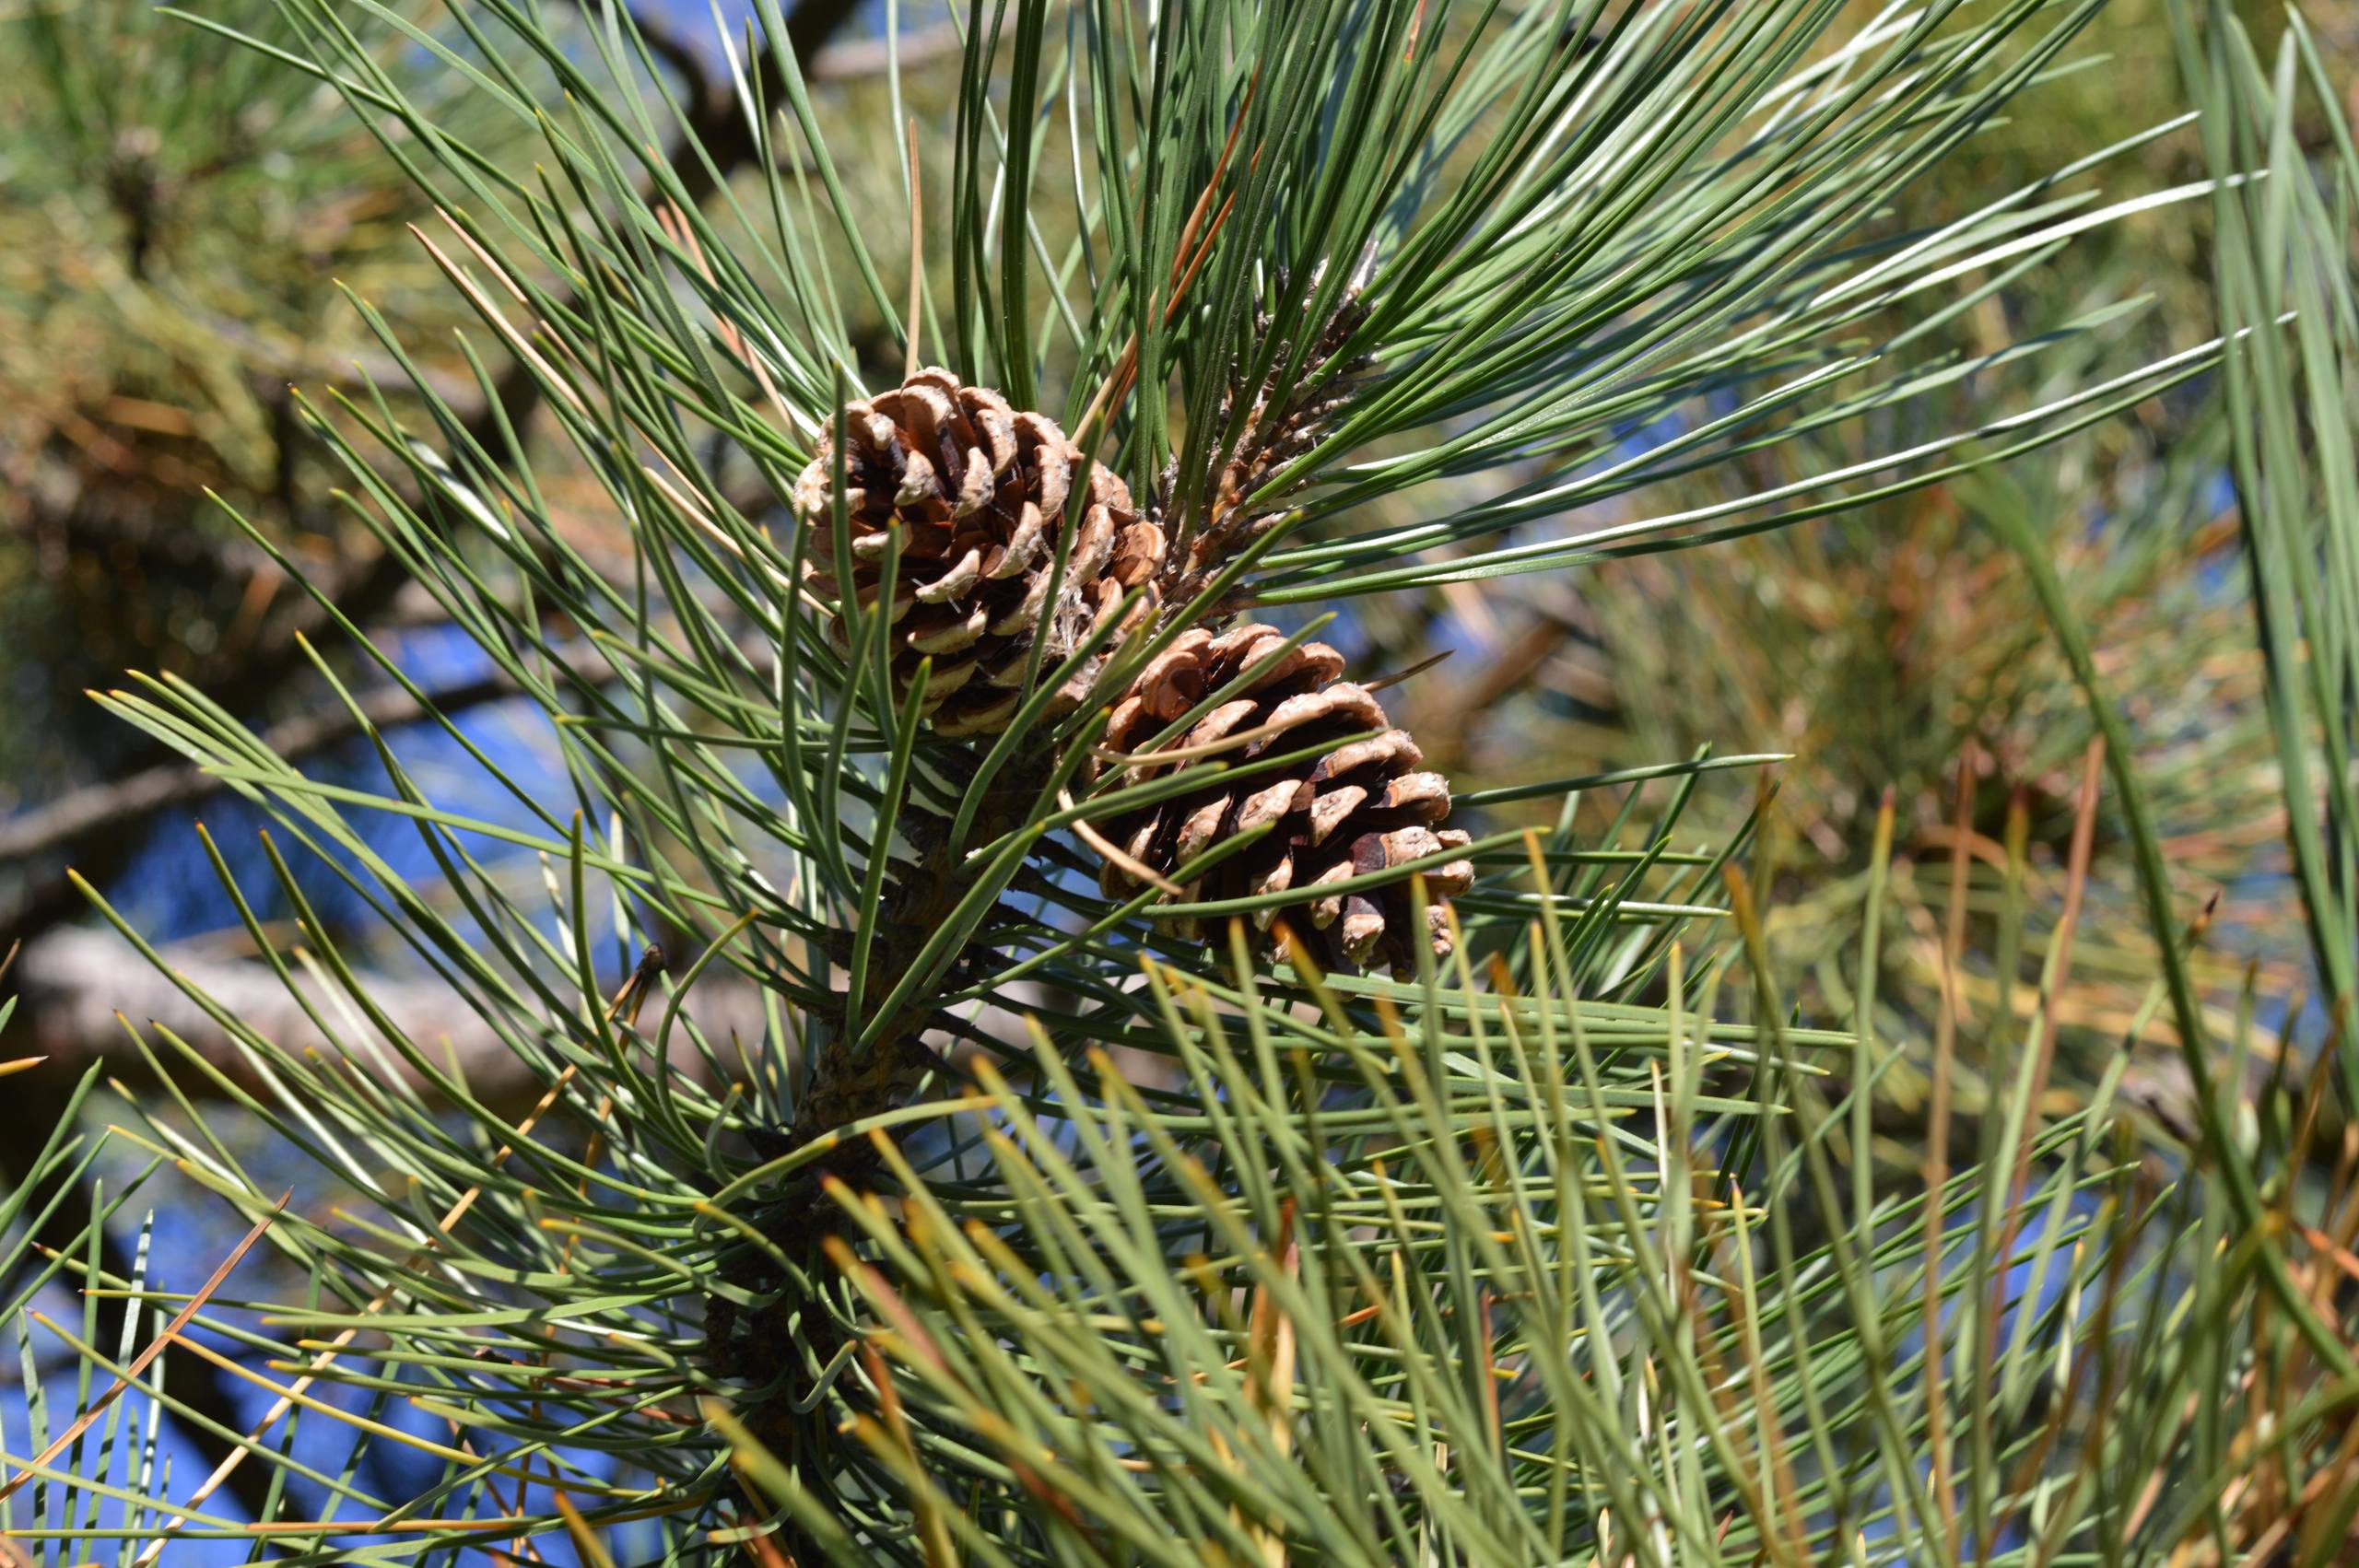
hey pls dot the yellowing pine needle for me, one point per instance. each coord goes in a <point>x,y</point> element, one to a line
<point>155,1347</point>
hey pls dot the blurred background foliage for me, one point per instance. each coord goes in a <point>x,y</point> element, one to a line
<point>177,226</point>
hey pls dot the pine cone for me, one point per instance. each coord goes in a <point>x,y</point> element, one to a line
<point>978,491</point>
<point>1282,425</point>
<point>1359,807</point>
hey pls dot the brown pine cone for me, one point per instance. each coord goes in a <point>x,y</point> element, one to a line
<point>978,491</point>
<point>1358,807</point>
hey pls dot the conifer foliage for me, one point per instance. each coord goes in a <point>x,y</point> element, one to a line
<point>1172,1123</point>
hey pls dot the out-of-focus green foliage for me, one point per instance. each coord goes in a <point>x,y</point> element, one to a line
<point>178,222</point>
<point>1889,649</point>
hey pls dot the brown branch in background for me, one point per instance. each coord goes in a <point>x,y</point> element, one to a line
<point>79,985</point>
<point>1450,714</point>
<point>102,846</point>
<point>854,58</point>
<point>76,816</point>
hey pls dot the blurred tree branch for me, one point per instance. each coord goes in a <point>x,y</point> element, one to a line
<point>74,820</point>
<point>79,991</point>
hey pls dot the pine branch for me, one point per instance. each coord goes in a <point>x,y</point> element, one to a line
<point>154,783</point>
<point>1529,1247</point>
<point>36,1099</point>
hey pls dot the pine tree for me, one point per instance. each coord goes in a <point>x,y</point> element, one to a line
<point>1157,1137</point>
